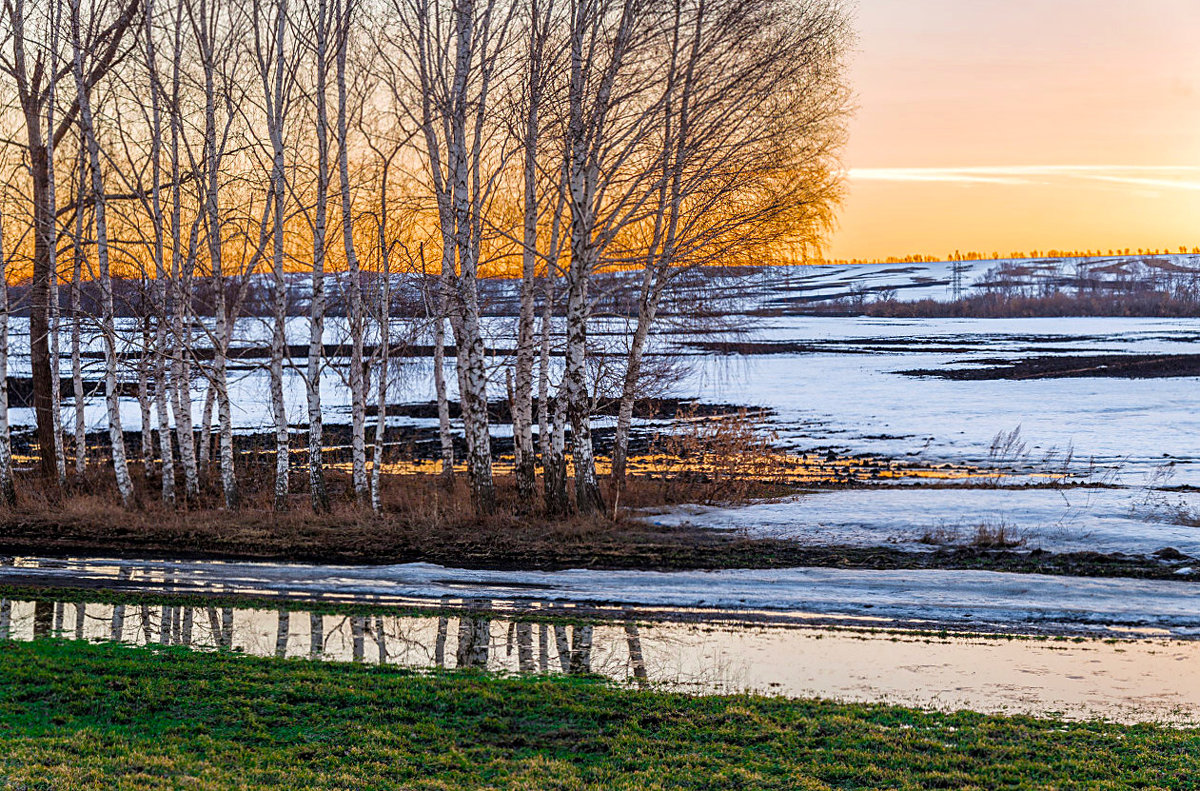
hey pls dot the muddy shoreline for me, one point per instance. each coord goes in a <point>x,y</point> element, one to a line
<point>625,546</point>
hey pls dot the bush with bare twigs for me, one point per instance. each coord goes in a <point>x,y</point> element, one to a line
<point>722,458</point>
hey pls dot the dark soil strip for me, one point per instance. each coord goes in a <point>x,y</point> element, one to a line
<point>1110,366</point>
<point>522,546</point>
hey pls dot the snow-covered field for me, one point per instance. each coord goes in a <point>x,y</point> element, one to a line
<point>1056,520</point>
<point>848,396</point>
<point>834,384</point>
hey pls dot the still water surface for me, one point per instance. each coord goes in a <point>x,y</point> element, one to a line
<point>1123,680</point>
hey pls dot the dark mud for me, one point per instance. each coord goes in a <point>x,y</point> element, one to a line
<point>952,344</point>
<point>533,546</point>
<point>1109,366</point>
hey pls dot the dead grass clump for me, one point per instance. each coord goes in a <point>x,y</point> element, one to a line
<point>997,536</point>
<point>722,458</point>
<point>986,535</point>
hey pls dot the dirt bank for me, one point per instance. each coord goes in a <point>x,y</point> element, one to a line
<point>1110,366</point>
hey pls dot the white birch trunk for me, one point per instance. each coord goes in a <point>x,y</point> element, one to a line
<point>115,433</point>
<point>60,461</point>
<point>8,492</point>
<point>161,291</point>
<point>522,407</point>
<point>181,281</point>
<point>443,402</point>
<point>574,388</point>
<point>205,433</point>
<point>144,399</point>
<point>651,292</point>
<point>278,408</point>
<point>551,437</point>
<point>358,400</point>
<point>318,493</point>
<point>220,381</point>
<point>385,340</point>
<point>76,324</point>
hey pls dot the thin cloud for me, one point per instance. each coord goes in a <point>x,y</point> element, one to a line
<point>1182,177</point>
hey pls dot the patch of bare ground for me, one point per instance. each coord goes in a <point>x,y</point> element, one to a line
<point>1107,366</point>
<point>1150,303</point>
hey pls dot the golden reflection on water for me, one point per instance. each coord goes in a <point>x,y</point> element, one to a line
<point>1122,680</point>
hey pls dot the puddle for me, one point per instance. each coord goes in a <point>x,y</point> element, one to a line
<point>930,599</point>
<point>1128,680</point>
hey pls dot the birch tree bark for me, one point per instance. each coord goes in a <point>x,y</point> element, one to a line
<point>539,27</point>
<point>465,190</point>
<point>445,437</point>
<point>358,396</point>
<point>384,319</point>
<point>318,493</point>
<point>8,492</point>
<point>146,424</point>
<point>453,52</point>
<point>77,318</point>
<point>269,51</point>
<point>182,262</point>
<point>112,394</point>
<point>162,295</point>
<point>207,27</point>
<point>593,74</point>
<point>60,463</point>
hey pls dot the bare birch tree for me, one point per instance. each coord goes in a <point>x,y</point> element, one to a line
<point>99,200</point>
<point>454,50</point>
<point>207,24</point>
<point>8,491</point>
<point>161,290</point>
<point>276,75</point>
<point>540,20</point>
<point>358,396</point>
<point>31,73</point>
<point>750,118</point>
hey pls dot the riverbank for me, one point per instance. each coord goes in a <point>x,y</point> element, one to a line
<point>357,537</point>
<point>76,715</point>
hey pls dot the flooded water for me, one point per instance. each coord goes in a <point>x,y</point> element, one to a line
<point>1125,680</point>
<point>929,599</point>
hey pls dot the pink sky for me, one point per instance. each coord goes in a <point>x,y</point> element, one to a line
<point>1002,125</point>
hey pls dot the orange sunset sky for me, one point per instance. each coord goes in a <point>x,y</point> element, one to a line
<point>1001,125</point>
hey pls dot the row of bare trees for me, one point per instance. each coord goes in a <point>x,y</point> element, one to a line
<point>201,144</point>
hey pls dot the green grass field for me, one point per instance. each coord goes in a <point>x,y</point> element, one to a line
<point>74,715</point>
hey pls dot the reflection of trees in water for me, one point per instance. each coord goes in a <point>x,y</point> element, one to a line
<point>282,633</point>
<point>474,636</point>
<point>463,638</point>
<point>43,616</point>
<point>637,663</point>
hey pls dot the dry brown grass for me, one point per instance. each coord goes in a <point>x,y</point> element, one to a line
<point>423,518</point>
<point>986,535</point>
<point>722,458</point>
